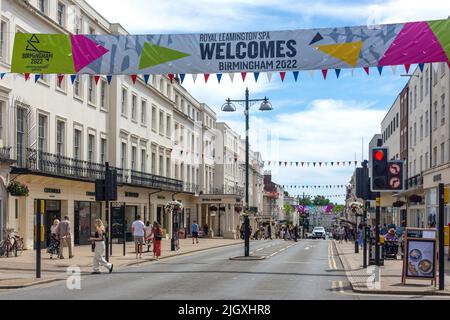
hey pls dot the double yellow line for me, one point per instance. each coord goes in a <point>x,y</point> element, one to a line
<point>331,260</point>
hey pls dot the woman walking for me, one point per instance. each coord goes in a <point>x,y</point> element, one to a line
<point>157,238</point>
<point>148,233</point>
<point>99,241</point>
<point>53,248</point>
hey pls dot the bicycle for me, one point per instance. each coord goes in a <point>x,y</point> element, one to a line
<point>13,244</point>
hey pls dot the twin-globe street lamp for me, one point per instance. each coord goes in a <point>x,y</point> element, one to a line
<point>230,107</point>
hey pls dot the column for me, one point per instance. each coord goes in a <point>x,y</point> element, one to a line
<point>199,215</point>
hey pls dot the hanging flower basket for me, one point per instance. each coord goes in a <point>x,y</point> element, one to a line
<point>17,189</point>
<point>415,198</point>
<point>398,204</point>
<point>222,209</point>
<point>213,208</point>
<point>173,205</point>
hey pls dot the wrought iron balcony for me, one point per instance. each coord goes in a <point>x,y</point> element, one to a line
<point>5,155</point>
<point>226,190</point>
<point>414,182</point>
<point>31,160</point>
<point>191,188</point>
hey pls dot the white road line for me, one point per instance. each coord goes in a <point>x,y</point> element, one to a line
<point>341,287</point>
<point>259,249</point>
<point>333,286</point>
<point>307,248</point>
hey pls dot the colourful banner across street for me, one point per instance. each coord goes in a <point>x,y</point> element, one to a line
<point>217,53</point>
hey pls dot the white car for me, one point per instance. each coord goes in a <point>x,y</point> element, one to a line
<point>319,232</point>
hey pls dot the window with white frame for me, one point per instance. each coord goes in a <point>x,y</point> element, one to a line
<point>103,94</point>
<point>153,163</point>
<point>91,148</point>
<point>77,92</point>
<point>134,107</point>
<point>427,124</point>
<point>61,84</point>
<point>3,40</point>
<point>421,89</point>
<point>42,6</point>
<point>435,118</point>
<point>21,133</point>
<point>168,168</point>
<point>161,122</point>
<point>154,118</point>
<point>103,150</point>
<point>143,160</point>
<point>77,144</point>
<point>133,158</point>
<point>124,101</point>
<point>91,90</point>
<point>60,138</point>
<point>442,153</point>
<point>2,113</point>
<point>123,160</point>
<point>42,132</point>
<point>61,14</point>
<point>443,109</point>
<point>168,126</point>
<point>434,156</point>
<point>144,112</point>
<point>161,165</point>
<point>421,128</point>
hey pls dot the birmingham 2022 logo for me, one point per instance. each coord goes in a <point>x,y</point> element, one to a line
<point>37,57</point>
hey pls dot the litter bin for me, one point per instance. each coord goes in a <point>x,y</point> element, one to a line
<point>372,253</point>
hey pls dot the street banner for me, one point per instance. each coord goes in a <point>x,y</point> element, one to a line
<point>213,53</point>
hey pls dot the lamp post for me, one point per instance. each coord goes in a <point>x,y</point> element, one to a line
<point>229,107</point>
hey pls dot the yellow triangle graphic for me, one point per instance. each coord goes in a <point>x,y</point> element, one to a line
<point>347,52</point>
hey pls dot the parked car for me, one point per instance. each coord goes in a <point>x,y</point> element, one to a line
<point>319,232</point>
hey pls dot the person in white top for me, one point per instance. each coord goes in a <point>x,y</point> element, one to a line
<point>138,229</point>
<point>53,247</point>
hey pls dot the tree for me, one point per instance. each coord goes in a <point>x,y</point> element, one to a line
<point>321,201</point>
<point>305,202</point>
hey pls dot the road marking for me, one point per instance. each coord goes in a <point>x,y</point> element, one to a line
<point>341,286</point>
<point>259,249</point>
<point>307,248</point>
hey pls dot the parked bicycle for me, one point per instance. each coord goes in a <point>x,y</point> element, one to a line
<point>11,245</point>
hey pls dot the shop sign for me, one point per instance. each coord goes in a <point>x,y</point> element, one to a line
<point>50,190</point>
<point>131,194</point>
<point>211,200</point>
<point>161,197</point>
<point>90,194</point>
<point>437,178</point>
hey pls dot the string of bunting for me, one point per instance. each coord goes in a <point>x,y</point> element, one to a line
<point>182,77</point>
<point>295,186</point>
<point>325,196</point>
<point>309,163</point>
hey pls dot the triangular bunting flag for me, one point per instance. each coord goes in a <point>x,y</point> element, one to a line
<point>367,70</point>
<point>256,75</point>
<point>407,66</point>
<point>110,77</point>
<point>338,72</point>
<point>231,75</point>
<point>349,163</point>
<point>60,78</point>
<point>332,163</point>
<point>73,77</point>
<point>324,73</point>
<point>243,75</point>
<point>303,164</point>
<point>356,163</point>
<point>314,164</point>
<point>282,75</point>
<point>380,69</point>
<point>96,78</point>
<point>296,164</point>
<point>285,164</point>
<point>269,76</point>
<point>171,77</point>
<point>2,75</point>
<point>219,77</point>
<point>279,163</point>
<point>421,66</point>
<point>27,76</point>
<point>182,76</point>
<point>194,77</point>
<point>37,77</point>
<point>296,73</point>
<point>134,78</point>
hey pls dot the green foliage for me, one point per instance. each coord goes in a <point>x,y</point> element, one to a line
<point>305,202</point>
<point>288,208</point>
<point>18,189</point>
<point>321,201</point>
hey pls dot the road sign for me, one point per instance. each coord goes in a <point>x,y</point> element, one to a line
<point>395,183</point>
<point>394,169</point>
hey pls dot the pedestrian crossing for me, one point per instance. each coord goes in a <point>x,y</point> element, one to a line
<point>337,286</point>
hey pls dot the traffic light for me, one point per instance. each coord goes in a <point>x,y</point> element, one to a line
<point>379,169</point>
<point>111,185</point>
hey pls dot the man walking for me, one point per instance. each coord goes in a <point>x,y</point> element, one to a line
<point>194,231</point>
<point>63,231</point>
<point>138,229</point>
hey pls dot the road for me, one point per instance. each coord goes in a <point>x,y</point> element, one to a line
<point>308,269</point>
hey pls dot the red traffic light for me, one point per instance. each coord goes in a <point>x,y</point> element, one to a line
<point>379,155</point>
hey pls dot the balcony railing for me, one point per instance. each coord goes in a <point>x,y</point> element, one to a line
<point>226,190</point>
<point>5,154</point>
<point>64,167</point>
<point>191,188</point>
<point>414,182</point>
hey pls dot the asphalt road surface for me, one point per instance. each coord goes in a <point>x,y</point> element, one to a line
<point>308,269</point>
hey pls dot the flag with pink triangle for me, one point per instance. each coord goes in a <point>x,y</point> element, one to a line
<point>85,51</point>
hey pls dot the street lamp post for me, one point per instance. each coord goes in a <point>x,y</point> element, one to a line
<point>229,107</point>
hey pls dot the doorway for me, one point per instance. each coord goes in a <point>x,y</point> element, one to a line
<point>85,214</point>
<point>52,212</point>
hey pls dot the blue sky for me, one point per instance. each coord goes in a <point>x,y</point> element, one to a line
<point>314,119</point>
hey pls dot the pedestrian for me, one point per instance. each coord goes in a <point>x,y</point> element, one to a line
<point>194,231</point>
<point>269,231</point>
<point>360,233</point>
<point>148,233</point>
<point>206,230</point>
<point>238,235</point>
<point>138,230</point>
<point>341,233</point>
<point>65,237</point>
<point>282,233</point>
<point>242,232</point>
<point>157,239</point>
<point>99,243</point>
<point>53,248</point>
<point>296,233</point>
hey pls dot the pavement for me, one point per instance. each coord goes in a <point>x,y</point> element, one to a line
<point>19,272</point>
<point>303,270</point>
<point>390,276</point>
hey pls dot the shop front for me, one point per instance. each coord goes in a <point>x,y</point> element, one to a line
<point>85,214</point>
